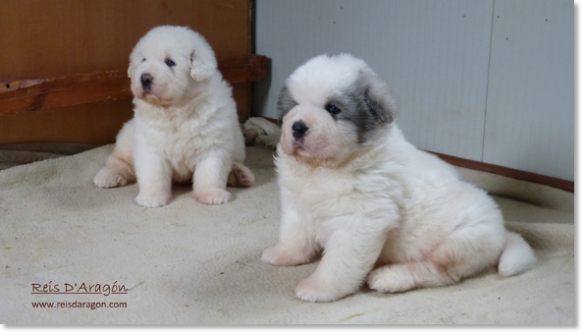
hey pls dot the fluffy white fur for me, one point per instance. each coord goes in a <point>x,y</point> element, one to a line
<point>185,125</point>
<point>381,210</point>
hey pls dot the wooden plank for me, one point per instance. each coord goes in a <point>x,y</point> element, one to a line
<point>36,94</point>
<point>99,35</point>
<point>564,185</point>
<point>27,95</point>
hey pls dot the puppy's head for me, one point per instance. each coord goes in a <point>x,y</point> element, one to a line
<point>167,63</point>
<point>333,108</point>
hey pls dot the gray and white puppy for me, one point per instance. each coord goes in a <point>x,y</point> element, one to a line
<point>381,210</point>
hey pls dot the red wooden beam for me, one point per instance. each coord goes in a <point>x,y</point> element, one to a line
<point>24,95</point>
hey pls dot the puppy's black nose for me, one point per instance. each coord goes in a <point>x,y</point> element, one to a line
<point>146,80</point>
<point>299,129</point>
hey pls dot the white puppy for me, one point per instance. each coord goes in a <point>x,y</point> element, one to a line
<point>352,186</point>
<point>185,125</point>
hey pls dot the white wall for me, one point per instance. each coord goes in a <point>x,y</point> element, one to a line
<point>447,65</point>
<point>530,106</point>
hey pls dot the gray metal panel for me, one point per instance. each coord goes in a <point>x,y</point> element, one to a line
<point>530,106</point>
<point>434,55</point>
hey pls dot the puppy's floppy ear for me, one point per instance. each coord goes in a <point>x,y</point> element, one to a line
<point>378,100</point>
<point>285,103</point>
<point>132,64</point>
<point>203,62</point>
<point>131,68</point>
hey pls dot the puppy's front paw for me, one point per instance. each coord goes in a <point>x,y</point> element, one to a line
<point>315,289</point>
<point>153,199</point>
<point>283,255</point>
<point>108,178</point>
<point>212,196</point>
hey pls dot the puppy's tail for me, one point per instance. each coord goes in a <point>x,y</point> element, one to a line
<point>517,256</point>
<point>240,176</point>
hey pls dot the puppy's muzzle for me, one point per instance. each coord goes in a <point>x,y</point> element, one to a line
<point>299,129</point>
<point>146,81</point>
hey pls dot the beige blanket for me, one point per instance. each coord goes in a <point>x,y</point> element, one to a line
<point>188,263</point>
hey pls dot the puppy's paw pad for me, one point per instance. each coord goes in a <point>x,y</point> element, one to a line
<point>240,175</point>
<point>245,179</point>
<point>107,178</point>
<point>312,289</point>
<point>282,256</point>
<point>153,200</point>
<point>214,196</point>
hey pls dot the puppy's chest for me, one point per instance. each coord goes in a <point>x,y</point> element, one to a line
<point>179,142</point>
<point>178,138</point>
<point>323,195</point>
<point>330,201</point>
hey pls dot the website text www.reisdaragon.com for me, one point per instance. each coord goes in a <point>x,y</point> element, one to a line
<point>80,304</point>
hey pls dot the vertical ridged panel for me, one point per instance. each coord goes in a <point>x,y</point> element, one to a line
<point>530,107</point>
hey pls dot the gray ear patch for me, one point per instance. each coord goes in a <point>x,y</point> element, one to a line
<point>367,105</point>
<point>384,115</point>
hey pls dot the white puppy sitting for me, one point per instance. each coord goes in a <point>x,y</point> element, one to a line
<point>185,125</point>
<point>352,186</point>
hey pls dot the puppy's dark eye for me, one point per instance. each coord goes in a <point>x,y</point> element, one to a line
<point>143,59</point>
<point>170,62</point>
<point>332,109</point>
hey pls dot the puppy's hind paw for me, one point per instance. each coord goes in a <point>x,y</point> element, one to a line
<point>212,196</point>
<point>390,279</point>
<point>107,178</point>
